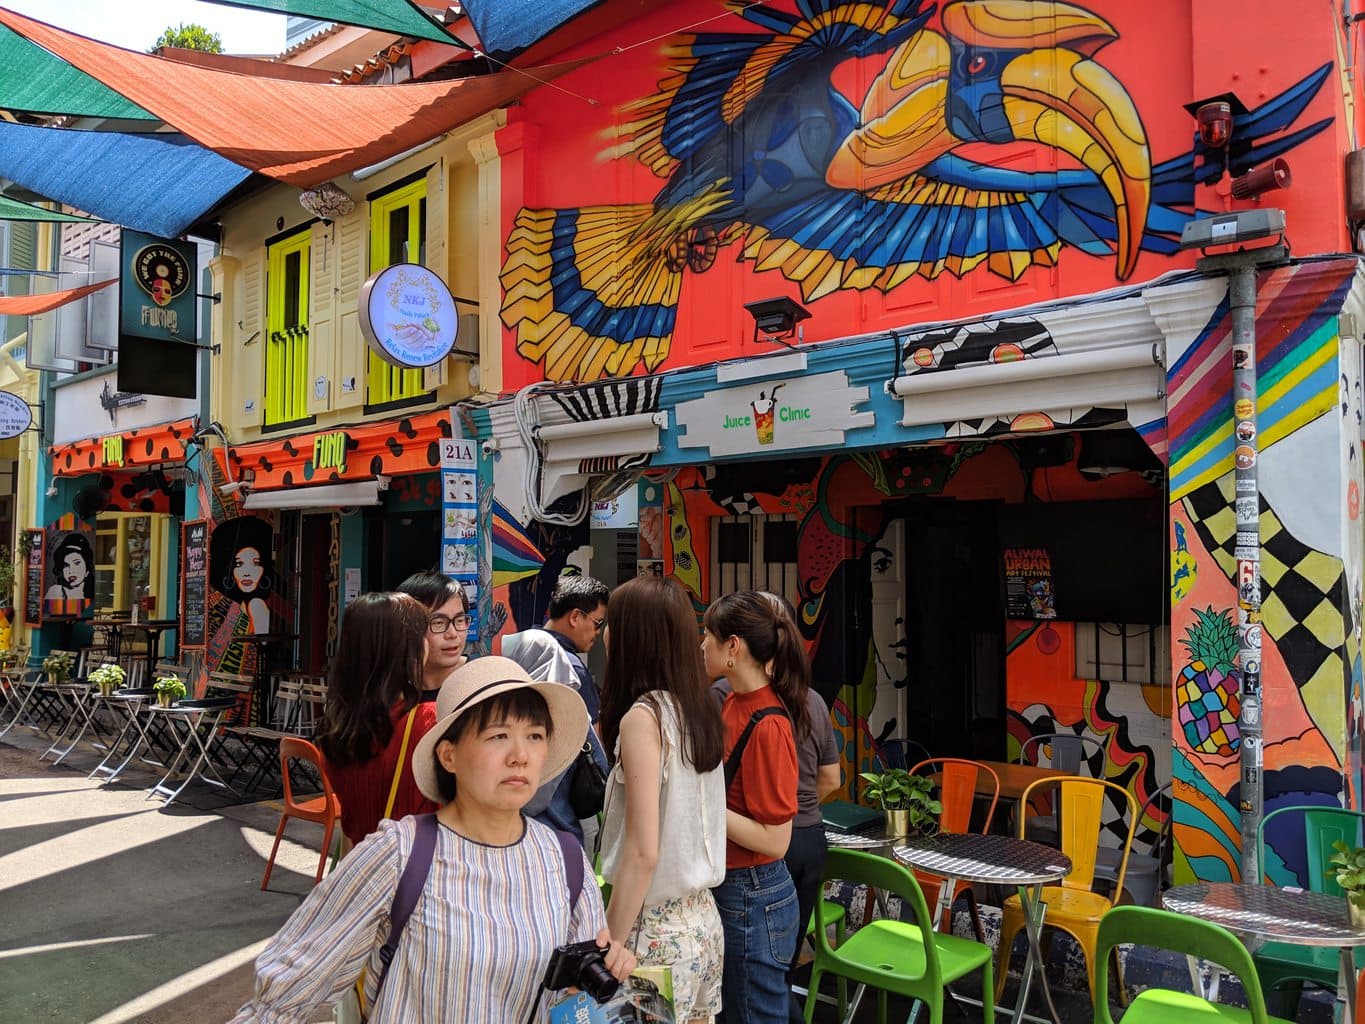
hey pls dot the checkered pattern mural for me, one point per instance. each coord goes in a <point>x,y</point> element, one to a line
<point>1302,590</point>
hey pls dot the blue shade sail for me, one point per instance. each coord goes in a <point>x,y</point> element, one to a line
<point>507,26</point>
<point>158,183</point>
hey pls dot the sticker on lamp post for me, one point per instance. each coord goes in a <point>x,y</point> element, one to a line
<point>407,316</point>
<point>15,415</point>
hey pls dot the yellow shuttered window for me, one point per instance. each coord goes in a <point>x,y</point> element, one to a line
<point>286,354</point>
<point>397,235</point>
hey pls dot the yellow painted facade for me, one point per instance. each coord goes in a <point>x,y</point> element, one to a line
<point>461,235</point>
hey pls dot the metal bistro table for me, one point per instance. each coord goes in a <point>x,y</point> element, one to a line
<point>262,697</point>
<point>1001,860</point>
<point>1270,914</point>
<point>154,628</point>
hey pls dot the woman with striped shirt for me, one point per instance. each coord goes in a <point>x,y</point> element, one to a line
<point>497,899</point>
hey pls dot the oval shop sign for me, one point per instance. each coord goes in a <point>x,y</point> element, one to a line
<point>15,415</point>
<point>407,316</point>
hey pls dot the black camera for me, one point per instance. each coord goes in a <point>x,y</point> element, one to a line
<point>582,965</point>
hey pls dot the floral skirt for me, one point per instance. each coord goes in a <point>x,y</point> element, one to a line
<point>685,934</point>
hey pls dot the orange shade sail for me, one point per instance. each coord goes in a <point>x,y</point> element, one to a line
<point>32,305</point>
<point>302,133</point>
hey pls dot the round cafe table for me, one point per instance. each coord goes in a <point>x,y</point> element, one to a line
<point>1267,913</point>
<point>998,860</point>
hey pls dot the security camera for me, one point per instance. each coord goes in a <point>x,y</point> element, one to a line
<point>490,446</point>
<point>52,491</point>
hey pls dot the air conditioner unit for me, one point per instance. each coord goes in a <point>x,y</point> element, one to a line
<point>467,340</point>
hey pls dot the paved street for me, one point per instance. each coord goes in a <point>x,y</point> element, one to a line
<point>116,911</point>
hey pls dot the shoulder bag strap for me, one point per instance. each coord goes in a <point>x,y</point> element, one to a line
<point>398,768</point>
<point>572,852</point>
<point>410,886</point>
<point>737,754</point>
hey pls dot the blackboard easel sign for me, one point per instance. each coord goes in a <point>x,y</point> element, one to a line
<point>33,579</point>
<point>194,578</point>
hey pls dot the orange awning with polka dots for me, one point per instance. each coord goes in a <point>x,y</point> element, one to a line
<point>128,449</point>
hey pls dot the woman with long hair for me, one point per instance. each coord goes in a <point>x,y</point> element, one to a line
<point>659,718</point>
<point>759,653</point>
<point>374,715</point>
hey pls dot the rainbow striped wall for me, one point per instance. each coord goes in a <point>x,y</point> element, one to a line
<point>1296,348</point>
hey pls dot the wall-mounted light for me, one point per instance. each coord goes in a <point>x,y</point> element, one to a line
<point>1215,124</point>
<point>1266,178</point>
<point>776,319</point>
<point>327,201</point>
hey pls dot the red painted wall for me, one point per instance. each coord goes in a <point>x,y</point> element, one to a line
<point>558,156</point>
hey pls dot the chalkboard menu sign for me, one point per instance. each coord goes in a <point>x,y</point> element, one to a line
<point>33,580</point>
<point>194,578</point>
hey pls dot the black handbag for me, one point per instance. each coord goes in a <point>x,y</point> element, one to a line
<point>588,787</point>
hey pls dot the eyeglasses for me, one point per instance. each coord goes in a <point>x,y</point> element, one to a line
<point>438,624</point>
<point>597,624</point>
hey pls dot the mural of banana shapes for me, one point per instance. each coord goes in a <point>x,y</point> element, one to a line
<point>758,149</point>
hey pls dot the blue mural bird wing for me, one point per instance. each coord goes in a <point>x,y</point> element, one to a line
<point>758,147</point>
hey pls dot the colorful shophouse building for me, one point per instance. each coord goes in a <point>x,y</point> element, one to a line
<point>993,466</point>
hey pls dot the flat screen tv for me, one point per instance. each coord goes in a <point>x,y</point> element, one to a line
<point>147,366</point>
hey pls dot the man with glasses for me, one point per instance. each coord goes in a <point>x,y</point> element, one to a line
<point>577,613</point>
<point>447,626</point>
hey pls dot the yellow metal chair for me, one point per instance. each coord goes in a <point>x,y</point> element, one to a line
<point>1072,906</point>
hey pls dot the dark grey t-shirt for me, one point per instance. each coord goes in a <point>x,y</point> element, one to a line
<point>821,747</point>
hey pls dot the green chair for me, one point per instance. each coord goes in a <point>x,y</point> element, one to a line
<point>910,959</point>
<point>1283,966</point>
<point>1162,929</point>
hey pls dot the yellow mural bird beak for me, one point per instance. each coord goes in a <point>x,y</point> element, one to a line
<point>1055,95</point>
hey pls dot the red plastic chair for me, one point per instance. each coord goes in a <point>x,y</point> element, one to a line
<point>957,792</point>
<point>325,810</point>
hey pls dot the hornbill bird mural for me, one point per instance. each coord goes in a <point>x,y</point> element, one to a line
<point>760,149</point>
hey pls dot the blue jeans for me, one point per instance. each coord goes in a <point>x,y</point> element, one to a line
<point>758,913</point>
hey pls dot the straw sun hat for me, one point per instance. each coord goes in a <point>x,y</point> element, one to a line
<point>475,683</point>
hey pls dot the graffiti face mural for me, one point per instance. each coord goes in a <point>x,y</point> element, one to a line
<point>760,137</point>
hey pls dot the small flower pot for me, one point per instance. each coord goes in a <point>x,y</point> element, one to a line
<point>54,678</point>
<point>1356,912</point>
<point>897,823</point>
<point>163,700</point>
<point>107,689</point>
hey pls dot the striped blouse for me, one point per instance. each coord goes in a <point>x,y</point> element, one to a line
<point>475,948</point>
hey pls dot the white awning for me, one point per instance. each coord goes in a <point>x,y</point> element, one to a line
<point>365,492</point>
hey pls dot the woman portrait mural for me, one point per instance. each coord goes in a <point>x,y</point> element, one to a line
<point>71,575</point>
<point>242,575</point>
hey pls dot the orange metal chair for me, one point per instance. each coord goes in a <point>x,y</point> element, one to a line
<point>958,780</point>
<point>1073,906</point>
<point>325,810</point>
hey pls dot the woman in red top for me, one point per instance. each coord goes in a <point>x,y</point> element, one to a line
<point>371,694</point>
<point>760,654</point>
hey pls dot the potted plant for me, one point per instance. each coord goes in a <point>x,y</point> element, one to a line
<point>1350,864</point>
<point>108,677</point>
<point>58,666</point>
<point>906,799</point>
<point>169,689</point>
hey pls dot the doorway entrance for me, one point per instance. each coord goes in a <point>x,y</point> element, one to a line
<point>938,627</point>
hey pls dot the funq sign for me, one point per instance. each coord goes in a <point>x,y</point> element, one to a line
<point>407,316</point>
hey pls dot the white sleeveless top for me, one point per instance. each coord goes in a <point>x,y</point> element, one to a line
<point>689,858</point>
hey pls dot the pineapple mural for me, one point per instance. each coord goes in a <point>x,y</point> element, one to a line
<point>1208,689</point>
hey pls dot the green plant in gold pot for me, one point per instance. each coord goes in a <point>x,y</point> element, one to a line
<point>908,801</point>
<point>108,678</point>
<point>1350,864</point>
<point>169,689</point>
<point>57,666</point>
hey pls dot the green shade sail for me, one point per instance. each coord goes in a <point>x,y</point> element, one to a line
<point>13,209</point>
<point>36,82</point>
<point>391,15</point>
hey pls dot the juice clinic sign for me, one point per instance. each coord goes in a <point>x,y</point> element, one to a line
<point>407,315</point>
<point>156,293</point>
<point>773,415</point>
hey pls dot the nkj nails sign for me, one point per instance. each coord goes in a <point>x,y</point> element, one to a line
<point>805,412</point>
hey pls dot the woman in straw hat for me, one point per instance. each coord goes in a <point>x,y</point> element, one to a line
<point>498,895</point>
